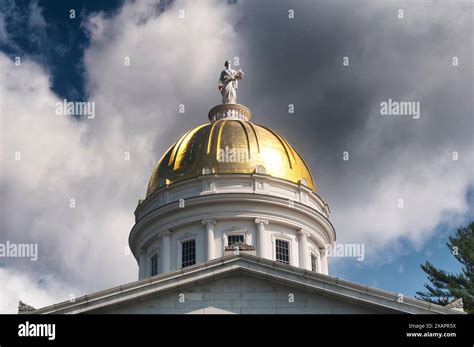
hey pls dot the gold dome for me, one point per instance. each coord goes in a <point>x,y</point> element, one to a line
<point>227,146</point>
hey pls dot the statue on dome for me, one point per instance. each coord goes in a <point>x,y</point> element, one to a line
<point>229,83</point>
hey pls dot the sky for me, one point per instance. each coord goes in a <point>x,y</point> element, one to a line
<point>292,52</point>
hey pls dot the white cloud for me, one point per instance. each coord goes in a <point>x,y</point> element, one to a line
<point>432,191</point>
<point>31,290</point>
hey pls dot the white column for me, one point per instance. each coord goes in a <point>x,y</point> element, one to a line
<point>211,245</point>
<point>324,261</point>
<point>262,243</point>
<point>142,265</point>
<point>303,249</point>
<point>166,250</point>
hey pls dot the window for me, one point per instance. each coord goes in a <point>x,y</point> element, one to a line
<point>231,239</point>
<point>154,264</point>
<point>282,251</point>
<point>314,262</point>
<point>188,253</point>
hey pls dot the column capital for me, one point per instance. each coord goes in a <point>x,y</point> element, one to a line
<point>165,233</point>
<point>303,232</point>
<point>261,221</point>
<point>323,251</point>
<point>208,222</point>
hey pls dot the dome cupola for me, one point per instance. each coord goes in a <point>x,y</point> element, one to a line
<point>230,186</point>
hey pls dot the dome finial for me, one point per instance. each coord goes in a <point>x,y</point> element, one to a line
<point>229,83</point>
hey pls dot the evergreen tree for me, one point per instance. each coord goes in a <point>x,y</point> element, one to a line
<point>446,287</point>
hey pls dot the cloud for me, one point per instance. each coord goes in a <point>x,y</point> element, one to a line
<point>22,23</point>
<point>36,19</point>
<point>16,286</point>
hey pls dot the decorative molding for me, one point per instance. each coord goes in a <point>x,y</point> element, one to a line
<point>187,236</point>
<point>229,111</point>
<point>164,233</point>
<point>208,222</point>
<point>321,285</point>
<point>282,235</point>
<point>235,231</point>
<point>243,183</point>
<point>315,251</point>
<point>153,251</point>
<point>457,304</point>
<point>207,170</point>
<point>22,307</point>
<point>304,232</point>
<point>260,169</point>
<point>242,246</point>
<point>261,221</point>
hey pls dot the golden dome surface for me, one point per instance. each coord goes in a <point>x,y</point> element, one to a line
<point>230,146</point>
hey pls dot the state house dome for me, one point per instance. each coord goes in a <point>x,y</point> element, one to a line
<point>226,187</point>
<point>230,144</point>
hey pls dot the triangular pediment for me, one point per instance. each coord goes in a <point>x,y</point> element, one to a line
<point>244,284</point>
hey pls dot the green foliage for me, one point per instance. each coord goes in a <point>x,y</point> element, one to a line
<point>445,287</point>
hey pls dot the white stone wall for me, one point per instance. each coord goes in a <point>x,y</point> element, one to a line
<point>213,184</point>
<point>242,294</point>
<point>223,208</point>
<point>222,229</point>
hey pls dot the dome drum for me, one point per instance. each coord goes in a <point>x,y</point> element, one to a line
<point>230,182</point>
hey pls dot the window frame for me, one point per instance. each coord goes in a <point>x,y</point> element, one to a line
<point>235,231</point>
<point>154,256</point>
<point>288,243</point>
<point>315,251</point>
<point>284,237</point>
<point>235,235</point>
<point>181,253</point>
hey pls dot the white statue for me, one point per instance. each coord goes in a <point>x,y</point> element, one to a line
<point>229,82</point>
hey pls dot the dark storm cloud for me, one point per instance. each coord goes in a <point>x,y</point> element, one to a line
<point>299,61</point>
